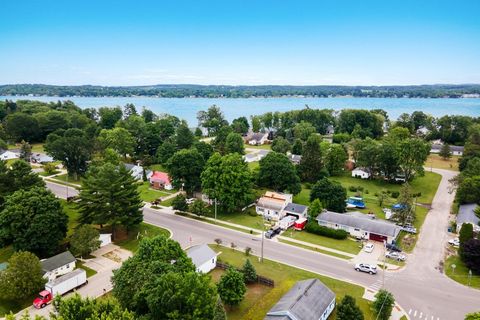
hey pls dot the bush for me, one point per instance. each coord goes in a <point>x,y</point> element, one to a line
<point>395,194</point>
<point>252,213</point>
<point>180,203</point>
<point>360,188</point>
<point>352,189</point>
<point>308,185</point>
<point>313,227</point>
<point>366,191</point>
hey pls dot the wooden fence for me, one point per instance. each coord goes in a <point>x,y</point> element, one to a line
<point>260,279</point>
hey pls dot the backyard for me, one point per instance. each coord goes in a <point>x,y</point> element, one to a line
<point>144,230</point>
<point>435,161</point>
<point>259,299</point>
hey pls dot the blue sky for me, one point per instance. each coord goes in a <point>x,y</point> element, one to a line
<point>240,42</point>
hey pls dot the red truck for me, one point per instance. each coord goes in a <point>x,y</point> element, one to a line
<point>300,224</point>
<point>60,286</point>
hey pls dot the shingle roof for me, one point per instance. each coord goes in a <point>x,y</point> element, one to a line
<point>200,254</point>
<point>361,221</point>
<point>452,148</point>
<point>263,152</point>
<point>258,136</point>
<point>129,166</point>
<point>57,261</point>
<point>296,208</point>
<point>307,300</point>
<point>466,214</point>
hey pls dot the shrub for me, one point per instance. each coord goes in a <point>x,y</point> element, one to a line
<point>248,250</point>
<point>180,203</point>
<point>313,227</point>
<point>352,189</point>
<point>218,241</point>
<point>252,213</point>
<point>395,194</point>
<point>360,188</point>
<point>249,272</point>
<point>308,185</point>
<point>366,191</point>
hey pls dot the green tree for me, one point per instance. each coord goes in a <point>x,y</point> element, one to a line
<point>315,208</point>
<point>297,147</point>
<point>49,168</point>
<point>212,120</point>
<point>280,145</point>
<point>198,207</point>
<point>249,272</point>
<point>118,139</point>
<point>469,190</point>
<point>303,130</point>
<point>21,126</point>
<point>220,141</point>
<point>465,234</point>
<point>383,304</point>
<point>198,132</point>
<point>406,211</point>
<point>180,203</point>
<point>3,144</point>
<point>219,313</point>
<point>184,137</point>
<point>84,240</point>
<point>240,125</point>
<point>185,168</point>
<point>148,115</point>
<point>445,152</point>
<point>165,151</point>
<point>335,159</point>
<point>330,193</point>
<point>22,278</point>
<point>109,117</point>
<point>25,151</point>
<point>228,180</point>
<point>109,195</point>
<point>234,143</point>
<point>129,110</point>
<point>256,123</point>
<point>205,149</point>
<point>382,198</point>
<point>311,164</point>
<point>231,287</point>
<point>412,154</point>
<point>73,148</point>
<point>473,316</point>
<point>470,255</point>
<point>278,173</point>
<point>155,257</point>
<point>347,309</point>
<point>33,220</point>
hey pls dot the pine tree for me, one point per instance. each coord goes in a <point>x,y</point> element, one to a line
<point>219,313</point>
<point>445,152</point>
<point>25,151</point>
<point>249,272</point>
<point>347,309</point>
<point>311,164</point>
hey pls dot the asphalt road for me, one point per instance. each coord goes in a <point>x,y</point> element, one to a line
<point>422,290</point>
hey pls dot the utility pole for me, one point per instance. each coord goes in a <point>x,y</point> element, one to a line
<point>215,209</point>
<point>384,263</point>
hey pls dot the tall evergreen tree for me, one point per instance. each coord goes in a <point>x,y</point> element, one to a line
<point>311,164</point>
<point>25,151</point>
<point>347,309</point>
<point>249,272</point>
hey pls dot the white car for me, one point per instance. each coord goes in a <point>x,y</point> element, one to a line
<point>364,267</point>
<point>369,247</point>
<point>454,242</point>
<point>190,200</point>
<point>396,256</point>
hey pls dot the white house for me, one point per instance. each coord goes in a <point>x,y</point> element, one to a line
<point>360,225</point>
<point>360,173</point>
<point>9,155</point>
<point>455,150</point>
<point>58,265</point>
<point>307,300</point>
<point>137,171</point>
<point>295,158</point>
<point>271,205</point>
<point>204,258</point>
<point>258,138</point>
<point>466,214</point>
<point>105,238</point>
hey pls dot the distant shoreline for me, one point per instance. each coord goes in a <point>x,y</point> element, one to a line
<point>221,97</point>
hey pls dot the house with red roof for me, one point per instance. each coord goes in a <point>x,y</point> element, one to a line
<point>160,180</point>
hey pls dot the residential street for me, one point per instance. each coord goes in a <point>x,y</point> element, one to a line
<point>420,288</point>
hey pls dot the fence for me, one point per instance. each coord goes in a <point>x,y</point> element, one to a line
<point>260,279</point>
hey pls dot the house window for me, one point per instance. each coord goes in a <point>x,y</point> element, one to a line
<point>356,229</point>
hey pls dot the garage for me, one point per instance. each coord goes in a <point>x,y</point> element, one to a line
<point>377,237</point>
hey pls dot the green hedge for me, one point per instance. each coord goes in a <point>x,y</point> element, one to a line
<point>315,228</point>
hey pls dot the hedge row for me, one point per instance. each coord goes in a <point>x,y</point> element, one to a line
<point>315,228</point>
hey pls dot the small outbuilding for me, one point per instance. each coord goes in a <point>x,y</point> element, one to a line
<point>466,214</point>
<point>308,300</point>
<point>9,155</point>
<point>137,171</point>
<point>361,173</point>
<point>105,238</point>
<point>203,257</point>
<point>160,180</point>
<point>296,210</point>
<point>58,265</point>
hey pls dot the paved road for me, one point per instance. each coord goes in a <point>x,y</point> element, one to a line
<point>420,288</point>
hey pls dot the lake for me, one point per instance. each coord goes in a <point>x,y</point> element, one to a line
<point>187,108</point>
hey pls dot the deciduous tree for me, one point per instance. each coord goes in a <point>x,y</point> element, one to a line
<point>311,164</point>
<point>330,193</point>
<point>445,152</point>
<point>185,168</point>
<point>281,145</point>
<point>118,139</point>
<point>84,240</point>
<point>278,173</point>
<point>335,159</point>
<point>231,287</point>
<point>198,207</point>
<point>234,143</point>
<point>383,304</point>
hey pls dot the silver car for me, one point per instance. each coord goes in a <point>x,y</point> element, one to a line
<point>364,267</point>
<point>396,256</point>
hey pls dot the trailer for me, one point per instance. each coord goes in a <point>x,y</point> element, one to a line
<point>287,222</point>
<point>300,224</point>
<point>60,286</point>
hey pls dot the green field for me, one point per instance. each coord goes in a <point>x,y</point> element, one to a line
<point>347,245</point>
<point>263,147</point>
<point>246,218</point>
<point>253,165</point>
<point>143,231</point>
<point>259,300</point>
<point>157,167</point>
<point>461,272</point>
<point>148,194</point>
<point>435,161</point>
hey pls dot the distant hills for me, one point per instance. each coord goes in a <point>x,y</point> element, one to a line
<point>219,91</point>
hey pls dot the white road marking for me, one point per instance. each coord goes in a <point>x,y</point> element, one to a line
<point>415,314</point>
<point>421,315</point>
<point>409,311</point>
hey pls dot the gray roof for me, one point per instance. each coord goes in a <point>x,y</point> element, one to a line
<point>269,204</point>
<point>307,300</point>
<point>452,148</point>
<point>263,152</point>
<point>466,214</point>
<point>258,136</point>
<point>57,261</point>
<point>200,254</point>
<point>295,208</point>
<point>295,157</point>
<point>360,221</point>
<point>40,157</point>
<point>129,166</point>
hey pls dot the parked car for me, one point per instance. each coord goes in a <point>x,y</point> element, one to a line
<point>190,200</point>
<point>396,256</point>
<point>392,247</point>
<point>272,232</point>
<point>365,267</point>
<point>369,247</point>
<point>409,228</point>
<point>454,242</point>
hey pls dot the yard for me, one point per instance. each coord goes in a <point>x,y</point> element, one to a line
<point>149,194</point>
<point>260,299</point>
<point>253,165</point>
<point>260,147</point>
<point>435,161</point>
<point>347,245</point>
<point>460,274</point>
<point>143,231</point>
<point>248,218</point>
<point>67,179</point>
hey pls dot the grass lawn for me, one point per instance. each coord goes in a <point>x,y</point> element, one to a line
<point>90,272</point>
<point>65,178</point>
<point>406,240</point>
<point>157,167</point>
<point>461,272</point>
<point>72,213</point>
<point>263,146</point>
<point>259,300</point>
<point>303,197</point>
<point>143,231</point>
<point>435,161</point>
<point>245,218</point>
<point>46,174</point>
<point>149,194</point>
<point>14,306</point>
<point>253,165</point>
<point>346,245</point>
<point>37,148</point>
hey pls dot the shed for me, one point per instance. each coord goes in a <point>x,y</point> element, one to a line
<point>105,238</point>
<point>466,214</point>
<point>9,155</point>
<point>58,265</point>
<point>161,180</point>
<point>307,300</point>
<point>296,210</point>
<point>204,258</point>
<point>360,173</point>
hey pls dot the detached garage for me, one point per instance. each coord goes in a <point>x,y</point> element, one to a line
<point>360,225</point>
<point>204,258</point>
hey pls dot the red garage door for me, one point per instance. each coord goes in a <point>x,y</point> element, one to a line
<point>377,237</point>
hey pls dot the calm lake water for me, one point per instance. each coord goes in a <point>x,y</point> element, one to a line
<point>187,108</point>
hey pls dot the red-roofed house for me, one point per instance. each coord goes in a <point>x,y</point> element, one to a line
<point>160,180</point>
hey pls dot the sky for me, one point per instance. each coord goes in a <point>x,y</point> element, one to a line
<point>244,42</point>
